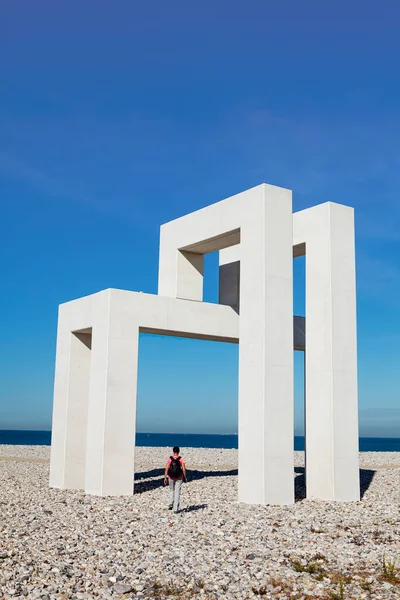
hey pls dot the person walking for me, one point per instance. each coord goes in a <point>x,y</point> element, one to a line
<point>175,473</point>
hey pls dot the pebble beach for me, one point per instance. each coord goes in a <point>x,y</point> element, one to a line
<point>58,544</point>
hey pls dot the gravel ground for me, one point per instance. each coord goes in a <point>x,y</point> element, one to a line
<point>64,544</point>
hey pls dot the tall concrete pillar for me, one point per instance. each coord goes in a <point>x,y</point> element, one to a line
<point>266,428</point>
<point>70,404</point>
<point>71,387</point>
<point>331,359</point>
<point>112,401</point>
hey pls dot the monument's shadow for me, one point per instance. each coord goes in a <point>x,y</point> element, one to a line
<point>366,477</point>
<point>150,480</point>
<point>151,483</point>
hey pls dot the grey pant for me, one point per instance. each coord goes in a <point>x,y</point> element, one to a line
<point>175,492</point>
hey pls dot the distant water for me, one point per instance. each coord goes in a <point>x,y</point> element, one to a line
<point>188,440</point>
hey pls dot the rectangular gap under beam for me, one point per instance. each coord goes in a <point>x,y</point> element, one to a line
<point>219,242</point>
<point>185,334</point>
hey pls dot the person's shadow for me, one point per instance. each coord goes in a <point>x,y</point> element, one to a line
<point>194,507</point>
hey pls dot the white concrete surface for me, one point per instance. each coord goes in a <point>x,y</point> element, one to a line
<point>324,233</point>
<point>71,396</point>
<point>261,220</point>
<point>94,414</point>
<point>94,427</point>
<point>229,291</point>
<point>332,470</point>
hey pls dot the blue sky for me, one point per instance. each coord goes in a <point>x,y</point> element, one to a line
<point>117,118</point>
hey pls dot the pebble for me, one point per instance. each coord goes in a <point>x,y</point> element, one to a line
<point>121,588</point>
<point>61,545</point>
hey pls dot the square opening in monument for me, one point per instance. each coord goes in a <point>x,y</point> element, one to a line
<point>175,396</point>
<point>199,270</point>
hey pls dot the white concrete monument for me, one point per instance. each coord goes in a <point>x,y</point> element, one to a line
<point>94,413</point>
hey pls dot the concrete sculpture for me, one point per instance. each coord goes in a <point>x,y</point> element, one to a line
<point>94,413</point>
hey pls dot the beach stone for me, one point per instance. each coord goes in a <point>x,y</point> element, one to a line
<point>219,549</point>
<point>122,588</point>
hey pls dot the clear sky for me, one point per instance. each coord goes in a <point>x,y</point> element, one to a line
<point>117,117</point>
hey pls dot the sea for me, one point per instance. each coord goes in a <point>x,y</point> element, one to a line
<point>188,440</point>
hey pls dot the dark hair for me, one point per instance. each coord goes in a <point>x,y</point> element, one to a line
<point>176,450</point>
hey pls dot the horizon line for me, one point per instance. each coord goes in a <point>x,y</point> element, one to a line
<point>204,433</point>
